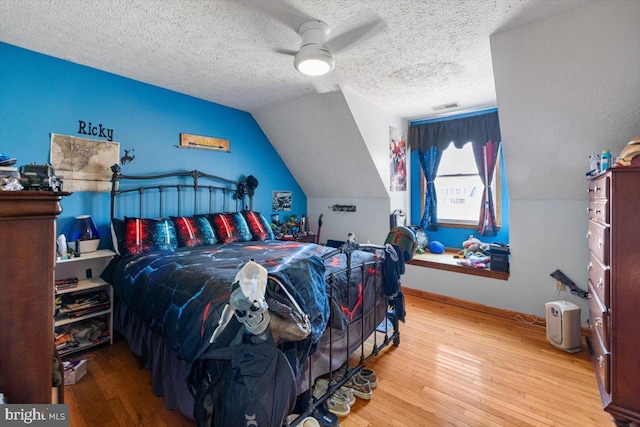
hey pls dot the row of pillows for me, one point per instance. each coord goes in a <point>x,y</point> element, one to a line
<point>135,236</point>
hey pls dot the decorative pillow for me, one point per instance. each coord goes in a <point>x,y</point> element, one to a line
<point>144,235</point>
<point>258,225</point>
<point>194,231</point>
<point>230,227</point>
<point>117,235</point>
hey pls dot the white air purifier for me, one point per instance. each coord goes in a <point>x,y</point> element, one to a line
<point>563,325</point>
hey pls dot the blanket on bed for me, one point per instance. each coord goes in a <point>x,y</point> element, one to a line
<point>181,294</point>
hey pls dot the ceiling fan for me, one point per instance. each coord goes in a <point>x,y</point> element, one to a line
<point>316,56</point>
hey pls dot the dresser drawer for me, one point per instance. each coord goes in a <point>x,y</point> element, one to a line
<point>598,240</point>
<point>601,361</point>
<point>599,210</point>
<point>599,188</point>
<point>599,319</point>
<point>591,210</point>
<point>599,277</point>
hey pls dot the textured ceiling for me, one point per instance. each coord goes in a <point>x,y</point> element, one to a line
<point>422,54</point>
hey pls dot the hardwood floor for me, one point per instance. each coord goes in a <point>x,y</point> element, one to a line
<point>454,367</point>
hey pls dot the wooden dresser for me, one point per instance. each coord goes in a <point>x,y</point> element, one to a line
<point>27,260</point>
<point>614,289</point>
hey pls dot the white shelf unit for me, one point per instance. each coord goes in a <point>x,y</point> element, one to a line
<point>87,268</point>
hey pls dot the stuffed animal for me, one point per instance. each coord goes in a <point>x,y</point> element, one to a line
<point>475,262</point>
<point>474,245</point>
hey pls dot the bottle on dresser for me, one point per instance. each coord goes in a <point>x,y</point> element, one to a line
<point>605,160</point>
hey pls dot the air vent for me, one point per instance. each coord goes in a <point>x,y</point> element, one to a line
<point>446,106</point>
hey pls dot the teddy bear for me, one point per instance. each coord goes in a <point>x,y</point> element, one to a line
<point>474,245</point>
<point>473,253</point>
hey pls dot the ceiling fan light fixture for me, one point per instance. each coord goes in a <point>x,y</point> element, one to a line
<point>314,61</point>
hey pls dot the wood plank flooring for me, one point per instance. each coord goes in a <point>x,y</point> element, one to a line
<point>454,367</point>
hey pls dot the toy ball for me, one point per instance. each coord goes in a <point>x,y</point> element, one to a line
<point>436,247</point>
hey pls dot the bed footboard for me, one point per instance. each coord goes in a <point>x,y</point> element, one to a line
<point>363,338</point>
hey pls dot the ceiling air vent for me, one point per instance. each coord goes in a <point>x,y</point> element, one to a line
<point>446,106</point>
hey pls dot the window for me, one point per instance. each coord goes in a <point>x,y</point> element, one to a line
<point>459,188</point>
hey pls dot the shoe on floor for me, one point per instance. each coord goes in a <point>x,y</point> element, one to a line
<point>307,422</point>
<point>369,375</point>
<point>361,387</point>
<point>339,373</point>
<point>322,385</point>
<point>348,394</point>
<point>338,405</point>
<point>324,417</point>
<point>320,388</point>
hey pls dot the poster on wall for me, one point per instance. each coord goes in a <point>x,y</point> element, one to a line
<point>281,201</point>
<point>397,157</point>
<point>84,164</point>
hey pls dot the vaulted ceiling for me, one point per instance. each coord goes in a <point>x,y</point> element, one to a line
<point>420,54</point>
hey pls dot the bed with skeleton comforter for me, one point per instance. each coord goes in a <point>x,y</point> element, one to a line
<point>171,304</point>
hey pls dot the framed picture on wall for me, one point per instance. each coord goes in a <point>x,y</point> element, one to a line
<point>281,201</point>
<point>397,160</point>
<point>84,163</point>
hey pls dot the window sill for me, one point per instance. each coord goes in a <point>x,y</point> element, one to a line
<point>447,262</point>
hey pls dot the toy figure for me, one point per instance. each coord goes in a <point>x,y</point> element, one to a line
<point>474,245</point>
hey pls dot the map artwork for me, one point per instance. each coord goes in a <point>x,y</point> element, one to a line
<point>84,164</point>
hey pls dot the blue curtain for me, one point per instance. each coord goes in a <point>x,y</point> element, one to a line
<point>429,161</point>
<point>431,139</point>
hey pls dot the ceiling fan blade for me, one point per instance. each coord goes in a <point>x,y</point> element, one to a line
<point>287,52</point>
<point>329,82</point>
<point>284,13</point>
<point>347,38</point>
<point>262,48</point>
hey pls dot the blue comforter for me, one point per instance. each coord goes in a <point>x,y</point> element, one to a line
<point>181,294</point>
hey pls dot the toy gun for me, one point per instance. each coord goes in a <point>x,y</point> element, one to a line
<point>560,276</point>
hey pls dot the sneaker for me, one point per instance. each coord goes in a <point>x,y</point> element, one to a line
<point>361,387</point>
<point>324,417</point>
<point>339,373</point>
<point>307,422</point>
<point>310,422</point>
<point>338,405</point>
<point>370,375</point>
<point>347,392</point>
<point>320,388</point>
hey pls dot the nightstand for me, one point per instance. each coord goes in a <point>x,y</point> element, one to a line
<point>78,303</point>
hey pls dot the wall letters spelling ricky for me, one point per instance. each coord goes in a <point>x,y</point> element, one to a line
<point>87,129</point>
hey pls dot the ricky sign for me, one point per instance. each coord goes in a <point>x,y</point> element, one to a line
<point>99,131</point>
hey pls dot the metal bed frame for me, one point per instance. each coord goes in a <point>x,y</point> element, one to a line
<point>391,336</point>
<point>239,192</point>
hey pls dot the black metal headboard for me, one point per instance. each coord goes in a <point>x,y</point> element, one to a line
<point>218,189</point>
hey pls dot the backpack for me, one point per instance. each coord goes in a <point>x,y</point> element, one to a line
<point>244,385</point>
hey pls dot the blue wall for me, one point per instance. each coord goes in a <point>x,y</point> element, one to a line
<point>41,95</point>
<point>449,236</point>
